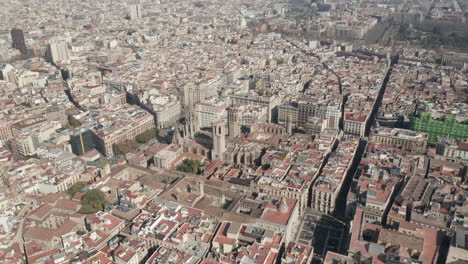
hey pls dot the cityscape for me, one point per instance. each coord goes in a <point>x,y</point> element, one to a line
<point>233,132</point>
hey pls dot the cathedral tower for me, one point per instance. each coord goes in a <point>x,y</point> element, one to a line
<point>219,140</point>
<point>234,126</point>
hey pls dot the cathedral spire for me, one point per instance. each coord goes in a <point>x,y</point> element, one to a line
<point>289,124</point>
<point>176,137</point>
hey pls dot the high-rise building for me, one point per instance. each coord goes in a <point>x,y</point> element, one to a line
<point>167,114</point>
<point>134,12</point>
<point>17,38</point>
<point>308,108</point>
<point>57,51</point>
<point>291,111</point>
<point>191,94</point>
<point>7,73</point>
<point>25,145</point>
<point>210,111</point>
<point>82,140</point>
<point>107,137</point>
<point>270,102</point>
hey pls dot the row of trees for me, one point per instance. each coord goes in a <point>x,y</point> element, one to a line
<point>146,136</point>
<point>124,147</point>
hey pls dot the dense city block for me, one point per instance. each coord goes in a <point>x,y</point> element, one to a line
<point>233,132</point>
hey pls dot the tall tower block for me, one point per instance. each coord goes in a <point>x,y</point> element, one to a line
<point>17,38</point>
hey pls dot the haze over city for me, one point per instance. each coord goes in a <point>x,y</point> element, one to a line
<point>233,132</point>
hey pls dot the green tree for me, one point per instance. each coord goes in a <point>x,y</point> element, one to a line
<point>74,122</point>
<point>117,149</point>
<point>92,202</point>
<point>190,166</point>
<point>76,188</point>
<point>124,147</point>
<point>146,136</point>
